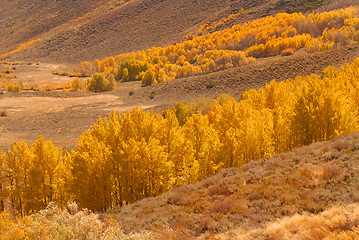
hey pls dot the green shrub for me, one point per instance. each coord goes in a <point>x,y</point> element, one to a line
<point>99,83</point>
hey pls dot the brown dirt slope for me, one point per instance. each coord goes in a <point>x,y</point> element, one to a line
<point>309,179</point>
<point>72,31</point>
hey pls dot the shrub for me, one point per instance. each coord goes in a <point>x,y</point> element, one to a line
<point>256,195</point>
<point>149,78</point>
<point>179,199</point>
<point>287,51</point>
<point>56,223</point>
<point>209,85</point>
<point>340,145</point>
<point>223,205</point>
<point>330,172</point>
<point>78,84</point>
<point>181,222</point>
<point>152,94</point>
<point>321,226</point>
<point>217,190</point>
<point>7,70</point>
<point>99,83</point>
<point>15,88</point>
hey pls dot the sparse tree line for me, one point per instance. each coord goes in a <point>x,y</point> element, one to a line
<point>138,154</point>
<point>282,34</point>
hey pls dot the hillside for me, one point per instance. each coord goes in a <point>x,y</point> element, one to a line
<point>309,193</point>
<point>164,119</point>
<point>245,203</point>
<point>71,31</point>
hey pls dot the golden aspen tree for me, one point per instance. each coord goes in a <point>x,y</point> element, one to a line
<point>84,69</point>
<point>143,168</point>
<point>280,98</point>
<point>187,168</point>
<point>149,77</point>
<point>97,65</point>
<point>149,167</point>
<point>99,83</point>
<point>124,76</point>
<point>205,143</point>
<point>3,170</point>
<point>223,116</point>
<point>180,152</point>
<point>18,161</point>
<point>63,181</point>
<point>162,76</point>
<point>91,171</point>
<point>43,178</point>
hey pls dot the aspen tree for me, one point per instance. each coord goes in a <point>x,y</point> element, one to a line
<point>43,177</point>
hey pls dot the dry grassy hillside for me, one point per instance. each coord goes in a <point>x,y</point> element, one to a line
<point>71,31</point>
<point>309,193</point>
<point>245,203</point>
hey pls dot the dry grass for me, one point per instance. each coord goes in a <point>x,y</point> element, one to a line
<point>299,186</point>
<point>222,205</point>
<point>339,222</point>
<point>309,226</point>
<point>340,145</point>
<point>218,190</point>
<point>334,223</point>
<point>330,172</point>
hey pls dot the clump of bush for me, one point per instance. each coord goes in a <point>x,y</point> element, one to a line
<point>7,70</point>
<point>78,84</point>
<point>57,223</point>
<point>288,51</point>
<point>15,88</point>
<point>99,83</point>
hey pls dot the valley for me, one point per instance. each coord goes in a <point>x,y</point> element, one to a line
<point>164,119</point>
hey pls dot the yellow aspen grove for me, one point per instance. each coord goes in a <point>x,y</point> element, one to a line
<point>129,160</point>
<point>91,171</point>
<point>181,154</point>
<point>205,143</point>
<point>139,154</point>
<point>231,47</point>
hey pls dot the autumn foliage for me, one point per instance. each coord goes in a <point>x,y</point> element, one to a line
<point>139,154</point>
<point>209,50</point>
<point>21,47</point>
